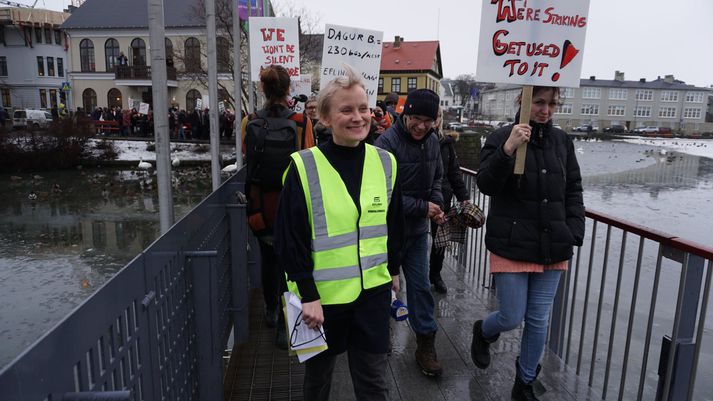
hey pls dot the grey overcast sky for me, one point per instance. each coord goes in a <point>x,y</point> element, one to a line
<point>642,38</point>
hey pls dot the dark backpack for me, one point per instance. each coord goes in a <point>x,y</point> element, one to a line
<point>269,142</point>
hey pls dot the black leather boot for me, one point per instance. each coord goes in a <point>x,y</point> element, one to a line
<point>522,391</point>
<point>480,346</point>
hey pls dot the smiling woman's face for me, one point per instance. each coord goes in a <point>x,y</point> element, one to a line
<point>543,105</point>
<point>349,116</point>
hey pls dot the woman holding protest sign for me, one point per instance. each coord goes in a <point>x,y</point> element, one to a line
<point>269,136</point>
<point>533,223</point>
<point>338,234</point>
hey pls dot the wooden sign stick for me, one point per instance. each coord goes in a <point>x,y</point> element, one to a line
<point>525,104</point>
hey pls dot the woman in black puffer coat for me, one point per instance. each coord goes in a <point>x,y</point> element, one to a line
<point>533,223</point>
<point>451,184</point>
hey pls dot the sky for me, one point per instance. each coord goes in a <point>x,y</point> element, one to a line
<point>642,38</point>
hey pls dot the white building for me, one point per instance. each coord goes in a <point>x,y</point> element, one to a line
<point>664,102</point>
<point>100,31</point>
<point>33,58</point>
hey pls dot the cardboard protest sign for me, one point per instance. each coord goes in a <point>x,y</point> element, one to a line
<point>360,48</point>
<point>301,87</point>
<point>532,42</point>
<point>274,41</point>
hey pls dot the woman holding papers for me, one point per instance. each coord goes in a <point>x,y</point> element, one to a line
<point>338,237</point>
<point>533,223</point>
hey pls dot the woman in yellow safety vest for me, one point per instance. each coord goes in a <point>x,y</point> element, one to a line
<point>338,235</point>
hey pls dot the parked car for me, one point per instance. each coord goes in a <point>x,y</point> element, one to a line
<point>586,128</point>
<point>616,129</point>
<point>649,130</point>
<point>29,118</point>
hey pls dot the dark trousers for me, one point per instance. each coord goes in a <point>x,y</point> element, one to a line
<point>368,373</point>
<point>435,264</point>
<point>273,277</point>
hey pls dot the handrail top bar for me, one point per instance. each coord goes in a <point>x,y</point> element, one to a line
<point>666,239</point>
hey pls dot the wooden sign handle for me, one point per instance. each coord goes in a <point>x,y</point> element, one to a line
<point>525,104</point>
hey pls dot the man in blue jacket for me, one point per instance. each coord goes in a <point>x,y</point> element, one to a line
<point>412,142</point>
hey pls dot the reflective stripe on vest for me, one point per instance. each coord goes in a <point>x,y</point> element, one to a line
<point>347,248</point>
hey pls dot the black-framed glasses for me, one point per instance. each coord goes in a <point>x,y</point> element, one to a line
<point>293,334</point>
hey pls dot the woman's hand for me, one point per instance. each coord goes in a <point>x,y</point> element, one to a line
<point>395,284</point>
<point>312,314</point>
<point>520,134</point>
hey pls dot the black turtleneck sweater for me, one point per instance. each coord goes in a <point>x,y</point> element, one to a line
<point>292,229</point>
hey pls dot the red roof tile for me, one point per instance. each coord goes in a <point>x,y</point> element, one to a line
<point>409,56</point>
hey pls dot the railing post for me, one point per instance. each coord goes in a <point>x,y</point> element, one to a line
<point>205,302</point>
<point>239,272</point>
<point>558,318</point>
<point>681,368</point>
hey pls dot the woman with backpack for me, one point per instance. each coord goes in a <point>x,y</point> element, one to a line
<point>270,135</point>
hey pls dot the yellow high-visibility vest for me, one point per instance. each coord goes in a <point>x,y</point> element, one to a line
<point>349,249</point>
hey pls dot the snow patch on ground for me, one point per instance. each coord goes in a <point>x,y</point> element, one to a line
<point>695,147</point>
<point>137,150</point>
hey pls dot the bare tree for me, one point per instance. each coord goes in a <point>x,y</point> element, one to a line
<point>197,70</point>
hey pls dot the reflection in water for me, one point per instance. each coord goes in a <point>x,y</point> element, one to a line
<point>65,233</point>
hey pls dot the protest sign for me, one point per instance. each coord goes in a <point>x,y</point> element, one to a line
<point>274,41</point>
<point>301,87</point>
<point>532,42</point>
<point>199,104</point>
<point>143,108</point>
<point>360,48</point>
<point>129,103</point>
<point>221,107</point>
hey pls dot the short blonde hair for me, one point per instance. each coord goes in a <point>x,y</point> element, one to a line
<point>350,78</point>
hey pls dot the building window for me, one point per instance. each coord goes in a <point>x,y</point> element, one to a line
<point>138,52</point>
<point>642,111</point>
<point>111,54</point>
<point>169,52</point>
<point>381,85</point>
<point>694,97</point>
<point>3,66</point>
<point>224,56</point>
<point>113,98</point>
<point>2,37</point>
<point>617,94</point>
<point>567,93</point>
<point>57,37</point>
<point>53,97</point>
<point>48,36</point>
<point>591,93</point>
<point>38,34</point>
<point>60,67</point>
<point>193,55</point>
<point>446,103</point>
<point>86,55</point>
<point>590,109</point>
<point>50,66</point>
<point>667,112</point>
<point>564,108</point>
<point>669,96</point>
<point>89,100</point>
<point>191,98</point>
<point>692,113</point>
<point>396,85</point>
<point>40,66</point>
<point>6,100</point>
<point>616,110</point>
<point>43,98</point>
<point>644,94</point>
<point>410,84</point>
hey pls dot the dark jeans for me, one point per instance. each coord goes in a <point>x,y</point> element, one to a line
<point>368,373</point>
<point>273,277</point>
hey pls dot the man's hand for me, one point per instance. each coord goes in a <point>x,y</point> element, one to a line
<point>433,210</point>
<point>439,219</point>
<point>395,284</point>
<point>312,314</point>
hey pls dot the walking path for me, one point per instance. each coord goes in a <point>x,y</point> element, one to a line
<point>260,371</point>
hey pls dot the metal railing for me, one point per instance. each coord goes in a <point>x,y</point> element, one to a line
<point>610,330</point>
<point>142,72</point>
<point>158,329</point>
